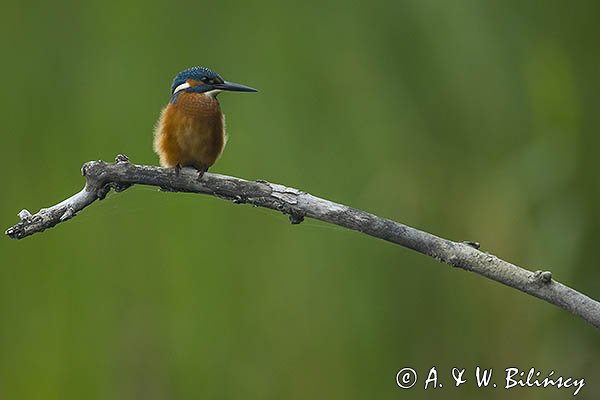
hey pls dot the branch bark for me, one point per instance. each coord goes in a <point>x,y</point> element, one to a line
<point>102,176</point>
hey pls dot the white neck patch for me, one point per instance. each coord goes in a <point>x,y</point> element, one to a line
<point>181,87</point>
<point>212,93</point>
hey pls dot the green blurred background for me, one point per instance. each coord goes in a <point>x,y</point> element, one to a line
<point>474,120</point>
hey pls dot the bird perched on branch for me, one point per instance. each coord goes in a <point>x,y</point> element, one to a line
<point>191,129</point>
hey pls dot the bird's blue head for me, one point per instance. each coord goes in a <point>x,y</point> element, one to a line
<point>203,80</point>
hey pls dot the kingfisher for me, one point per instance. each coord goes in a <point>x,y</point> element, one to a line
<point>191,129</point>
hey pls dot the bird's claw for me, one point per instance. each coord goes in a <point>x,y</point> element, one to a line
<point>201,172</point>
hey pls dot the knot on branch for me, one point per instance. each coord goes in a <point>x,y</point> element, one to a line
<point>469,243</point>
<point>117,187</point>
<point>121,158</point>
<point>24,215</point>
<point>90,168</point>
<point>68,214</point>
<point>237,199</point>
<point>296,216</point>
<point>541,277</point>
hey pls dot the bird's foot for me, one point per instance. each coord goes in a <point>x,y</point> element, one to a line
<point>177,169</point>
<point>201,172</point>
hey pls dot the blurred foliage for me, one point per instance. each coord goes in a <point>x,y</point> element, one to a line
<point>472,120</point>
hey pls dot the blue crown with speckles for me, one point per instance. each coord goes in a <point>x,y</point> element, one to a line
<point>195,73</point>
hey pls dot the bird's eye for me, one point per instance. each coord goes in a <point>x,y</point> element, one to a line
<point>204,79</point>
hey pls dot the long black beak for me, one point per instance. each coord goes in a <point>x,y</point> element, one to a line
<point>233,87</point>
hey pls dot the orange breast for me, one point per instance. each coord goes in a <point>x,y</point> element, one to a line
<point>190,132</point>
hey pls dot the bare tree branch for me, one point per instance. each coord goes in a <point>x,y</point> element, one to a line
<point>102,176</point>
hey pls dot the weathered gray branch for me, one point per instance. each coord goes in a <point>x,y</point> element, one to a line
<point>102,176</point>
